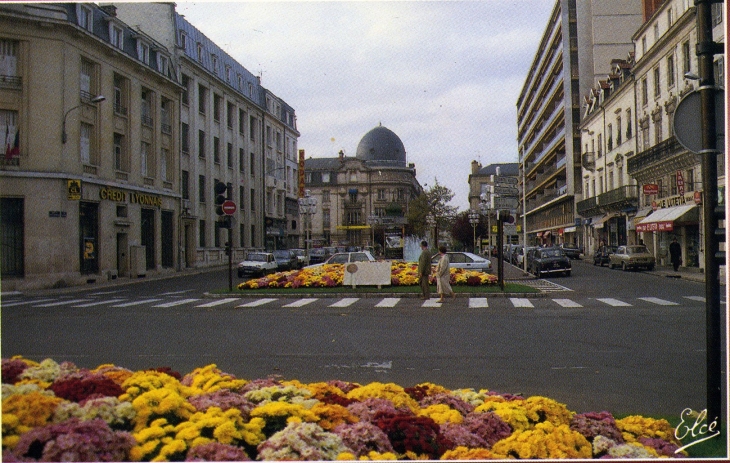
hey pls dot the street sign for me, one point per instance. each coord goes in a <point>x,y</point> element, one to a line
<point>504,202</point>
<point>504,191</point>
<point>229,207</point>
<point>502,180</point>
<point>688,123</point>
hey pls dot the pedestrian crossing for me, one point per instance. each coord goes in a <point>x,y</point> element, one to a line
<point>178,300</point>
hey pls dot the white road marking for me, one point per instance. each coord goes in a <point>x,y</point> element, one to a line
<point>431,303</point>
<point>14,303</point>
<point>55,304</point>
<point>133,303</point>
<point>695,298</point>
<point>566,303</point>
<point>175,303</point>
<point>257,302</point>
<point>478,302</point>
<point>301,302</point>
<point>172,293</point>
<point>218,302</point>
<point>656,300</point>
<point>388,302</point>
<point>521,302</point>
<point>346,302</point>
<point>614,302</point>
<point>92,304</point>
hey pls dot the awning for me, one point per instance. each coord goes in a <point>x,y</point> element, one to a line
<point>663,219</point>
<point>599,223</point>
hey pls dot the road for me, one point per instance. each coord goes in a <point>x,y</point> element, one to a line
<point>628,342</point>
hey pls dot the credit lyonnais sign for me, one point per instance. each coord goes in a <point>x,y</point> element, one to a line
<point>121,196</point>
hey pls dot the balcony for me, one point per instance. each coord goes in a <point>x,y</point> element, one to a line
<point>611,201</point>
<point>588,160</point>
<point>655,155</point>
<point>15,82</point>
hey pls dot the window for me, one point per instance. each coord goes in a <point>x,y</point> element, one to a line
<point>600,145</point>
<point>166,116</point>
<point>163,63</point>
<point>716,14</point>
<point>120,153</point>
<point>689,180</point>
<point>670,17</point>
<point>85,143</point>
<point>673,184</point>
<point>252,164</point>
<point>202,96</point>
<point>201,144</point>
<point>618,131</point>
<point>230,114</point>
<point>643,45</point>
<point>201,188</point>
<point>326,220</point>
<point>185,80</point>
<point>230,155</point>
<point>381,194</point>
<point>241,121</point>
<point>146,107</point>
<point>686,58</point>
<point>214,62</point>
<point>121,85</point>
<point>644,92</point>
<point>325,196</point>
<point>660,187</point>
<point>185,138</point>
<point>628,125</point>
<point>216,150</point>
<point>167,165</point>
<point>252,196</point>
<point>185,184</point>
<point>143,51</point>
<point>658,134</point>
<point>656,32</point>
<point>610,137</point>
<point>325,177</point>
<point>146,163</point>
<point>252,128</point>
<point>85,16</point>
<point>657,88</point>
<point>8,58</point>
<point>718,66</point>
<point>199,49</point>
<point>86,78</point>
<point>201,233</point>
<point>9,134</point>
<point>269,139</point>
<point>228,74</point>
<point>670,71</point>
<point>116,35</point>
<point>183,39</point>
<point>217,103</point>
<point>241,160</point>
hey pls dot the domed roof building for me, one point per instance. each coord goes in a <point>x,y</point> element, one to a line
<point>363,200</point>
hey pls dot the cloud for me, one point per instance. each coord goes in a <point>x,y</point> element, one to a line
<point>443,75</point>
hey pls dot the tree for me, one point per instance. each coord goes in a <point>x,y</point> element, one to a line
<point>463,232</point>
<point>434,201</point>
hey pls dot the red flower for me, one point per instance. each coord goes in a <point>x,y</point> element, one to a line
<point>77,389</point>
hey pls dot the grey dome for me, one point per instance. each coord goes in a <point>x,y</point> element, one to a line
<point>381,146</point>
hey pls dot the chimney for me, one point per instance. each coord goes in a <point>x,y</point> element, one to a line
<point>111,10</point>
<point>475,166</point>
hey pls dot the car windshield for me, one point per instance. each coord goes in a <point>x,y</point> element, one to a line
<point>636,250</point>
<point>257,257</point>
<point>552,253</point>
<point>281,254</point>
<point>299,252</point>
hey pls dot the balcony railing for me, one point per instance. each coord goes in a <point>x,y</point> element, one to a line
<point>617,198</point>
<point>655,155</point>
<point>11,82</point>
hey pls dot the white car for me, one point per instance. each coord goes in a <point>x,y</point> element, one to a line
<point>257,264</point>
<point>347,257</point>
<point>466,260</point>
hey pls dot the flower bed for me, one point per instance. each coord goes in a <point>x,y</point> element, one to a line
<point>331,275</point>
<point>114,414</point>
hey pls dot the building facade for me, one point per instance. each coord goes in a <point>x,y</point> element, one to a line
<point>481,179</point>
<point>578,35</point>
<point>90,188</point>
<point>363,200</point>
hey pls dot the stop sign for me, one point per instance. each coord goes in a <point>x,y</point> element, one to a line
<point>228,207</point>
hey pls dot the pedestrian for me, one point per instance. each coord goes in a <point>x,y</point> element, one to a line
<point>424,270</point>
<point>443,276</point>
<point>675,254</point>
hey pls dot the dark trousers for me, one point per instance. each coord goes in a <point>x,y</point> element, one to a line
<point>425,288</point>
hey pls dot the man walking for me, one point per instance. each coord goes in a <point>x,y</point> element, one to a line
<point>675,254</point>
<point>424,270</point>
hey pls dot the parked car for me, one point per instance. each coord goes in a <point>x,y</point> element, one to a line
<point>347,257</point>
<point>285,260</point>
<point>603,254</point>
<point>632,257</point>
<point>520,255</point>
<point>317,256</point>
<point>302,259</point>
<point>572,250</point>
<point>257,264</point>
<point>550,260</point>
<point>466,260</point>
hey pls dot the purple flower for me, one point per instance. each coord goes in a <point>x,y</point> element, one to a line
<point>74,440</point>
<point>456,403</point>
<point>344,386</point>
<point>273,380</point>
<point>215,451</point>
<point>489,426</point>
<point>460,435</point>
<point>594,424</point>
<point>225,400</point>
<point>372,406</point>
<point>11,370</point>
<point>662,447</point>
<point>363,437</point>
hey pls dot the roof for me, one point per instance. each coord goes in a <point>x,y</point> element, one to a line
<point>509,169</point>
<point>381,146</point>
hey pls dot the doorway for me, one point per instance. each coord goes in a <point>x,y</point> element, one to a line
<point>122,259</point>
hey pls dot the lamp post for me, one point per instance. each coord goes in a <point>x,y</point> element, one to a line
<point>486,209</point>
<point>372,221</point>
<point>307,208</point>
<point>94,100</point>
<point>474,221</point>
<point>431,222</point>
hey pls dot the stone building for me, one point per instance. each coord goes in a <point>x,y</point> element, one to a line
<point>363,200</point>
<point>90,185</point>
<point>480,180</point>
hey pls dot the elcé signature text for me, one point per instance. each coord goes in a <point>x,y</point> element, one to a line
<point>693,425</point>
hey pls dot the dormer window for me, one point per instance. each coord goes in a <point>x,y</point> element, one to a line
<point>85,16</point>
<point>214,62</point>
<point>228,74</point>
<point>163,63</point>
<point>183,40</point>
<point>116,35</point>
<point>143,51</point>
<point>200,52</point>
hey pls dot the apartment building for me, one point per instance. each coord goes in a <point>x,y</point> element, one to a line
<point>481,179</point>
<point>89,183</point>
<point>578,35</point>
<point>668,175</point>
<point>233,130</point>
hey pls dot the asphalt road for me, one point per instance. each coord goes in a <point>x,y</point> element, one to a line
<point>627,342</point>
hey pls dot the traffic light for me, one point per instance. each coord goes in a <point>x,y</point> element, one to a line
<point>221,194</point>
<point>506,217</point>
<point>226,222</point>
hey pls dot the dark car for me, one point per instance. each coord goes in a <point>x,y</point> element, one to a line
<point>603,255</point>
<point>550,260</point>
<point>571,250</point>
<point>317,256</point>
<point>285,260</point>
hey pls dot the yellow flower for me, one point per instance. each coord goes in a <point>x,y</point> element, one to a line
<point>390,391</point>
<point>145,381</point>
<point>441,413</point>
<point>465,453</point>
<point>511,412</point>
<point>539,409</point>
<point>544,441</point>
<point>633,427</point>
<point>333,415</point>
<point>159,403</point>
<point>211,379</point>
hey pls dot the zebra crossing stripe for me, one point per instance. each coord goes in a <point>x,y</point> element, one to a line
<point>257,302</point>
<point>567,303</point>
<point>133,303</point>
<point>656,300</point>
<point>14,303</point>
<point>346,302</point>
<point>301,302</point>
<point>521,302</point>
<point>92,304</point>
<point>478,302</point>
<point>218,302</point>
<point>695,298</point>
<point>431,303</point>
<point>388,302</point>
<point>56,304</point>
<point>614,302</point>
<point>175,303</point>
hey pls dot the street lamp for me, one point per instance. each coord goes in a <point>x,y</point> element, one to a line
<point>484,205</point>
<point>372,221</point>
<point>431,222</point>
<point>474,221</point>
<point>94,100</point>
<point>307,208</point>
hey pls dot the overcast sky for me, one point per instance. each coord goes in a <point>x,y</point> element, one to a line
<point>443,75</point>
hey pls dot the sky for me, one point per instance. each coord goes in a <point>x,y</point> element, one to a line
<point>443,75</point>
